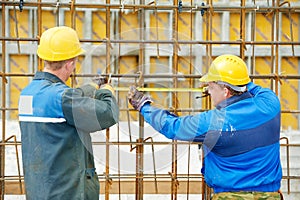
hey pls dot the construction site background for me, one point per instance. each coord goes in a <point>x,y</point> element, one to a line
<point>164,46</point>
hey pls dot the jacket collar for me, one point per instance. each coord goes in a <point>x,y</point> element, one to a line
<point>47,76</point>
<point>233,99</point>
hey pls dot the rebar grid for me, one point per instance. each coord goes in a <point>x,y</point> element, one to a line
<point>276,48</point>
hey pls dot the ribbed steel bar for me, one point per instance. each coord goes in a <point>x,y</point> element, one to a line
<point>231,8</point>
<point>117,62</point>
<point>139,190</point>
<point>191,85</point>
<point>192,110</point>
<point>108,71</point>
<point>176,49</point>
<point>242,29</point>
<point>39,30</point>
<point>144,143</point>
<point>3,105</point>
<point>276,32</point>
<point>204,42</point>
<point>164,76</point>
<point>146,176</point>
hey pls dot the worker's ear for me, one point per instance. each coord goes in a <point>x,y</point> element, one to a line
<point>226,92</point>
<point>70,65</point>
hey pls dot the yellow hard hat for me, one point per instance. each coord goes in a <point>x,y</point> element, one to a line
<point>229,69</point>
<point>59,43</point>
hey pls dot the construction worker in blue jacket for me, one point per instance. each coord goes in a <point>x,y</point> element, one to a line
<point>56,122</point>
<point>240,135</point>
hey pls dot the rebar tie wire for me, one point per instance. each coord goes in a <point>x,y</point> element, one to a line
<point>107,178</point>
<point>21,5</point>
<point>56,7</point>
<point>3,77</point>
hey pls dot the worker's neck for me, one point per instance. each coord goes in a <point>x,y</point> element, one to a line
<point>58,73</point>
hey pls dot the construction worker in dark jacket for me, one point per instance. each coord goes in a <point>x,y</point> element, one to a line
<point>56,122</point>
<point>240,135</point>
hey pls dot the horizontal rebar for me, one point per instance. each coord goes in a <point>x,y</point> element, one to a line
<point>256,8</point>
<point>140,143</point>
<point>172,110</point>
<point>145,176</point>
<point>191,76</point>
<point>171,41</point>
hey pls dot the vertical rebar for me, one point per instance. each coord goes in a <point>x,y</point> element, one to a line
<point>174,184</point>
<point>209,22</point>
<point>3,113</point>
<point>139,184</point>
<point>276,71</point>
<point>17,28</point>
<point>1,172</point>
<point>56,12</point>
<point>73,14</point>
<point>272,39</point>
<point>39,31</point>
<point>140,148</point>
<point>253,36</point>
<point>108,70</point>
<point>191,71</point>
<point>118,70</point>
<point>73,25</point>
<point>208,59</point>
<point>208,25</point>
<point>242,29</point>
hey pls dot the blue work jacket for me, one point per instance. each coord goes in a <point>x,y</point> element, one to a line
<point>56,122</point>
<point>240,139</point>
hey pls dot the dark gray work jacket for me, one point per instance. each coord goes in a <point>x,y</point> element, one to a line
<point>56,122</point>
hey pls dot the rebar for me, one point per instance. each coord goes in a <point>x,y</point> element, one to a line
<point>206,47</point>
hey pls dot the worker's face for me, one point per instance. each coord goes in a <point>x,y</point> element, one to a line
<point>217,92</point>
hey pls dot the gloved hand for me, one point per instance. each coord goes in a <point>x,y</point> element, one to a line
<point>100,80</point>
<point>108,87</point>
<point>136,98</point>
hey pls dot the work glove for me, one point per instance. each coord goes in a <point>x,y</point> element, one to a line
<point>137,99</point>
<point>100,80</point>
<point>102,83</point>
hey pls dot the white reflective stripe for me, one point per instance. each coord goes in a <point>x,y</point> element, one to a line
<point>41,119</point>
<point>25,105</point>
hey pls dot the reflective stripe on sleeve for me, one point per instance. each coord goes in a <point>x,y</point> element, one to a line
<point>41,119</point>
